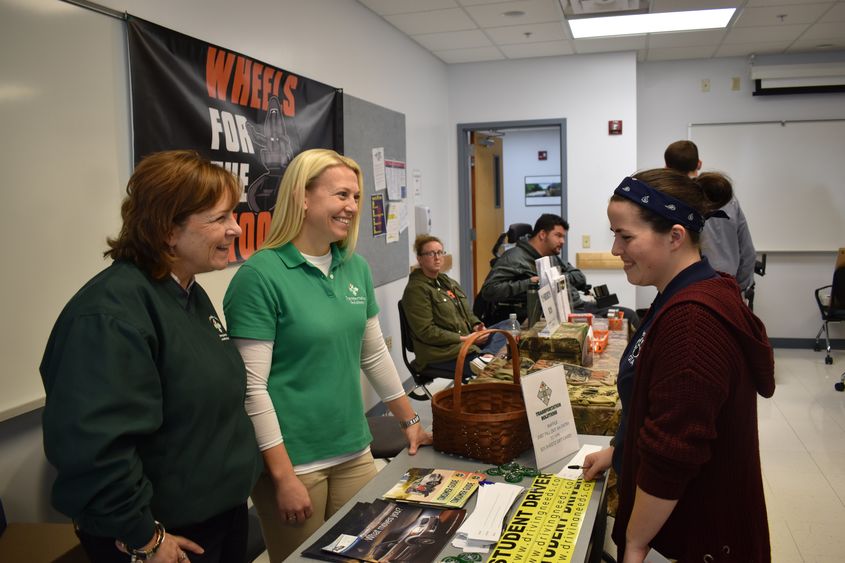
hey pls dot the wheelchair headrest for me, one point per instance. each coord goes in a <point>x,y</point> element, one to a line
<point>518,230</point>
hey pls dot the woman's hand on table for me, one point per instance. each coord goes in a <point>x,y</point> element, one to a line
<point>417,436</point>
<point>597,463</point>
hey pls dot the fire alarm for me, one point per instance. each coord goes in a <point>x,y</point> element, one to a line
<point>542,155</point>
<point>614,127</point>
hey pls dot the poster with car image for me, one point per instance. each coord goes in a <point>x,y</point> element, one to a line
<point>383,532</point>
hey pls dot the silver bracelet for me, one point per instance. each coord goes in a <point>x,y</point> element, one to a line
<point>403,424</point>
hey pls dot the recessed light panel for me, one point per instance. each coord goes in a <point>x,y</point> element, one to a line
<point>639,24</point>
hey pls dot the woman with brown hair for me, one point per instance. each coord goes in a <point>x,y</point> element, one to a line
<point>144,419</point>
<point>686,450</point>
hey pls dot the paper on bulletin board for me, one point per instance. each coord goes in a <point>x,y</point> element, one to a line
<point>393,221</point>
<point>550,417</point>
<point>379,182</point>
<point>377,214</point>
<point>397,183</point>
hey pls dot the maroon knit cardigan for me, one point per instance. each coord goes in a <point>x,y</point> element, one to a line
<point>692,426</point>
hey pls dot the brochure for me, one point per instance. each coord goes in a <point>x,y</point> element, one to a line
<point>384,531</point>
<point>435,487</point>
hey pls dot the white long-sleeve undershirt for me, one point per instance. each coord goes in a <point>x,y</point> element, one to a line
<point>257,355</point>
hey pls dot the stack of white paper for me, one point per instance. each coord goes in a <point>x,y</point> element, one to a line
<point>576,463</point>
<point>484,526</point>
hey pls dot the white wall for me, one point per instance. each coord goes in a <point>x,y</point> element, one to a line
<point>340,43</point>
<point>588,91</point>
<point>519,159</point>
<point>669,99</point>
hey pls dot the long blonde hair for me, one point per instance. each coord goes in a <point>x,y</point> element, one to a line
<point>300,176</point>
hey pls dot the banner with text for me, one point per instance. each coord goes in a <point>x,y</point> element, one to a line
<point>250,117</point>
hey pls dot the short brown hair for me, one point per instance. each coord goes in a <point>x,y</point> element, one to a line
<point>682,156</point>
<point>164,190</point>
<point>422,240</point>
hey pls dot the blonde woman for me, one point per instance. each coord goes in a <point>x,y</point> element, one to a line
<point>303,314</point>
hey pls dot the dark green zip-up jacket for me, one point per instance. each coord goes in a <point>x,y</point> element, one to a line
<point>436,318</point>
<point>145,410</point>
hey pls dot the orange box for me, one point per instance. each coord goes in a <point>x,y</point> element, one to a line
<point>599,342</point>
<point>580,318</point>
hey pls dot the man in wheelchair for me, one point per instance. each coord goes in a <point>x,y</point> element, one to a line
<point>506,288</point>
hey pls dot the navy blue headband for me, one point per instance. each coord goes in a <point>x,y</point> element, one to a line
<point>663,204</point>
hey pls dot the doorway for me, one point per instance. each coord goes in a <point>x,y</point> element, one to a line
<point>499,166</point>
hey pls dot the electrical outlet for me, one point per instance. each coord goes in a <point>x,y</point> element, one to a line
<point>735,83</point>
<point>585,241</point>
<point>388,341</point>
<point>705,84</point>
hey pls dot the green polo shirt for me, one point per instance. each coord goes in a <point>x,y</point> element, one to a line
<point>316,323</point>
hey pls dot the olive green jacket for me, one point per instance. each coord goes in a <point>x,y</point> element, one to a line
<point>437,321</point>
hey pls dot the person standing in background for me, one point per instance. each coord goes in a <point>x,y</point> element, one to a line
<point>302,311</point>
<point>726,242</point>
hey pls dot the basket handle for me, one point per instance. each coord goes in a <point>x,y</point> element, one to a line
<point>459,363</point>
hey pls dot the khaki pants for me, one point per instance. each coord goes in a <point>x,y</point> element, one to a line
<point>329,490</point>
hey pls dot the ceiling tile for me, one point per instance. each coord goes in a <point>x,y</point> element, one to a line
<point>453,40</point>
<point>470,55</point>
<point>771,15</point>
<point>536,11</point>
<point>685,5</point>
<point>516,33</point>
<point>688,39</point>
<point>836,14</point>
<point>825,30</point>
<point>810,45</point>
<point>391,7</point>
<point>677,53</point>
<point>432,22</point>
<point>765,34</point>
<point>477,2</point>
<point>758,3</point>
<point>546,49</point>
<point>745,49</point>
<point>608,44</point>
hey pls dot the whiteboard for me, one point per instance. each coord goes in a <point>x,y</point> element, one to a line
<point>64,106</point>
<point>787,176</point>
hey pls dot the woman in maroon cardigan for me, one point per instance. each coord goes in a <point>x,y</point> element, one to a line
<point>686,451</point>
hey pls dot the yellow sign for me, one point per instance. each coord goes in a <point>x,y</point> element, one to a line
<point>545,527</point>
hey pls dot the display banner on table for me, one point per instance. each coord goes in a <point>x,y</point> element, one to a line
<point>546,524</point>
<point>250,117</point>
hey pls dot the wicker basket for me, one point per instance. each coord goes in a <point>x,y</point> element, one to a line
<point>484,421</point>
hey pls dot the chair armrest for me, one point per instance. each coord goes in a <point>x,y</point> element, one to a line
<point>817,294</point>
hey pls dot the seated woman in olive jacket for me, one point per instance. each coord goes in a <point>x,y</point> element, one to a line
<point>438,313</point>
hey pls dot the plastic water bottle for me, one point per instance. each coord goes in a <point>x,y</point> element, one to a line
<point>513,326</point>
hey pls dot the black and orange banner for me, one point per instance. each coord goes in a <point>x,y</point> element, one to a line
<point>250,117</point>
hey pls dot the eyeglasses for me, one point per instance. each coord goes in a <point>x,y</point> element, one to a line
<point>433,253</point>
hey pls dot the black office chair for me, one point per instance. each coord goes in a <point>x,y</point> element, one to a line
<point>388,438</point>
<point>421,376</point>
<point>832,311</point>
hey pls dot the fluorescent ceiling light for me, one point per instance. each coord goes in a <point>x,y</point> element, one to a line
<point>638,24</point>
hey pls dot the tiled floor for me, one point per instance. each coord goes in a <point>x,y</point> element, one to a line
<point>802,445</point>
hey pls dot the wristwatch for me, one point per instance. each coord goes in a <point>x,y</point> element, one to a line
<point>410,422</point>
